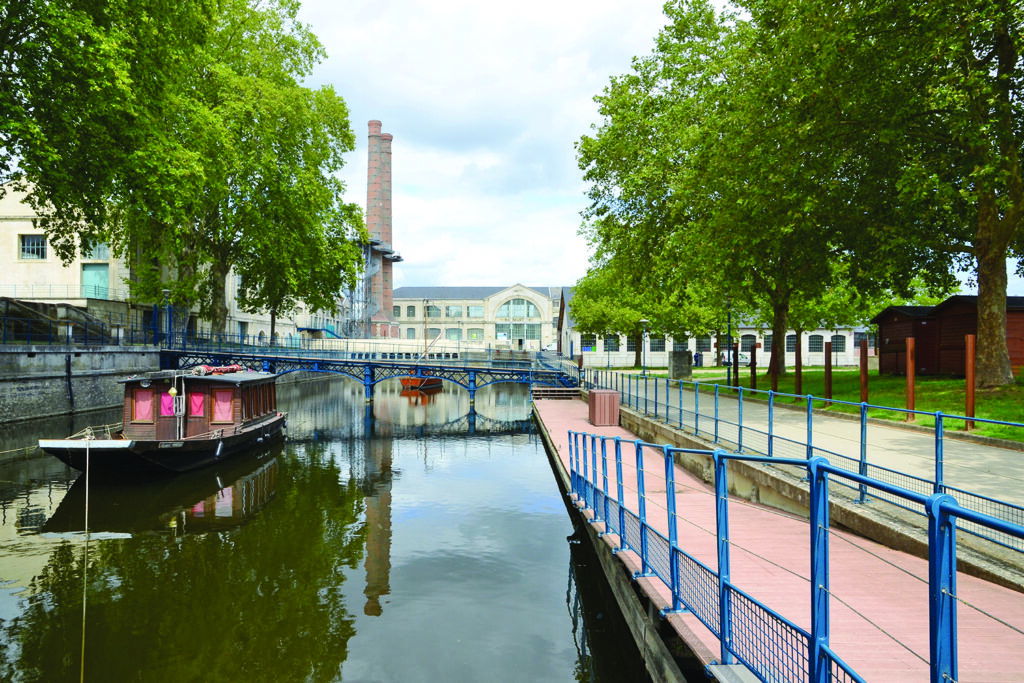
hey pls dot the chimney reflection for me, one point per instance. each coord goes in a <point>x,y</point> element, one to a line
<point>378,523</point>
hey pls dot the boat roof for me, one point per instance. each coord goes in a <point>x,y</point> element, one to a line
<point>243,377</point>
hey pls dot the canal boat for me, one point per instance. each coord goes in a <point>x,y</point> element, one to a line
<point>176,421</point>
<point>422,383</point>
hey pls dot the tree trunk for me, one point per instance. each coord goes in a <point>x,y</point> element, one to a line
<point>638,350</point>
<point>273,327</point>
<point>992,367</point>
<point>777,363</point>
<point>218,297</point>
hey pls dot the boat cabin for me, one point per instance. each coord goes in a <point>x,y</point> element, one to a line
<point>170,405</point>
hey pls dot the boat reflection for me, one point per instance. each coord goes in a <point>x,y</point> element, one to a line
<point>193,502</point>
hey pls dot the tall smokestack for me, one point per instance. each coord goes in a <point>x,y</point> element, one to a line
<point>378,224</point>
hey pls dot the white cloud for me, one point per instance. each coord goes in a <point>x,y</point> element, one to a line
<point>485,102</point>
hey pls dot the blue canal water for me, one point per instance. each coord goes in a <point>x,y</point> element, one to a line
<point>413,541</point>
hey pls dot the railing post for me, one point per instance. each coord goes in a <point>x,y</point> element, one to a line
<point>771,423</point>
<point>655,399</point>
<point>645,394</point>
<point>593,461</point>
<point>619,489</point>
<point>722,536</point>
<point>863,469</point>
<point>642,506</point>
<point>739,420</point>
<point>942,625</point>
<point>810,427</point>
<point>629,390</point>
<point>939,486</point>
<point>584,482</point>
<point>572,462</point>
<point>818,663</point>
<point>673,540</point>
<point>716,414</point>
<point>680,403</point>
<point>696,408</point>
<point>604,480</point>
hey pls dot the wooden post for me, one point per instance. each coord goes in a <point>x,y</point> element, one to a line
<point>911,367</point>
<point>736,364</point>
<point>828,372</point>
<point>969,363</point>
<point>863,370</point>
<point>753,367</point>
<point>798,367</point>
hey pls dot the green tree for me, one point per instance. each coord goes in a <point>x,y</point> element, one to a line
<point>929,93</point>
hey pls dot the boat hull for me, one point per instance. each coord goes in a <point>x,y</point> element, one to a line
<point>422,383</point>
<point>183,455</point>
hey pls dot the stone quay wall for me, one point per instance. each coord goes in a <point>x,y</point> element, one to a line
<point>34,380</point>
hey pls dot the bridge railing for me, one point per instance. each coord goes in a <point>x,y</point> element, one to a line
<point>747,421</point>
<point>768,643</point>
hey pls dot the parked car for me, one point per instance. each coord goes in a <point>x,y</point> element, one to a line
<point>743,356</point>
<point>553,346</point>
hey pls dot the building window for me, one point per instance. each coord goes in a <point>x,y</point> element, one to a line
<point>630,344</point>
<point>860,336</point>
<point>838,343</point>
<point>611,342</point>
<point>453,334</point>
<point>410,333</point>
<point>588,342</point>
<point>517,308</point>
<point>33,247</point>
<point>99,252</point>
<point>397,311</point>
<point>790,342</point>
<point>657,342</point>
<point>433,311</point>
<point>433,332</point>
<point>767,343</point>
<point>704,344</point>
<point>680,344</point>
<point>453,311</point>
<point>815,343</point>
<point>748,342</point>
<point>474,311</point>
<point>410,311</point>
<point>474,333</point>
<point>532,331</point>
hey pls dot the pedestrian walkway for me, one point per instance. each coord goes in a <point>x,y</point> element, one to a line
<point>879,596</point>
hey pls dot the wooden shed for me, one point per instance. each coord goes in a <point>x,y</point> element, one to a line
<point>940,333</point>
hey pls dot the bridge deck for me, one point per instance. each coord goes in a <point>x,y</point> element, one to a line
<point>879,606</point>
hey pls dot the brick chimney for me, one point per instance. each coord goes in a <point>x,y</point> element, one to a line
<point>378,224</point>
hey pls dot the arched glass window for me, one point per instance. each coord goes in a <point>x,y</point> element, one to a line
<point>747,342</point>
<point>838,343</point>
<point>790,342</point>
<point>517,308</point>
<point>704,343</point>
<point>815,343</point>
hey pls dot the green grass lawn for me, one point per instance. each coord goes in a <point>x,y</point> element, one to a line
<point>945,394</point>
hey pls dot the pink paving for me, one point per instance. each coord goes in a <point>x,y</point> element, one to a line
<point>879,604</point>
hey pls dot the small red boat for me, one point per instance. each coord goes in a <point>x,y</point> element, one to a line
<point>422,383</point>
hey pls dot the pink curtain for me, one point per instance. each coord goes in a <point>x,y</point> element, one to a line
<point>166,404</point>
<point>143,405</point>
<point>196,404</point>
<point>222,405</point>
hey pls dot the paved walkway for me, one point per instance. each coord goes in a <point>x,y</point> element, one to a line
<point>879,605</point>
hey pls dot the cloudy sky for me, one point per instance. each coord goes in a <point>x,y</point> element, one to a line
<point>485,102</point>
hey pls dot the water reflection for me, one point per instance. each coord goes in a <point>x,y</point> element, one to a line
<point>342,554</point>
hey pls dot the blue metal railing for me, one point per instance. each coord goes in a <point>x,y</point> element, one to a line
<point>697,408</point>
<point>770,645</point>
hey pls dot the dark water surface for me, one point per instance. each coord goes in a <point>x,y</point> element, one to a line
<point>417,541</point>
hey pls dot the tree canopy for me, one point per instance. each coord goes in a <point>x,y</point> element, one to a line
<point>190,145</point>
<point>802,158</point>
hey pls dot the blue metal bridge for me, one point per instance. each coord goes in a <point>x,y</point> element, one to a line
<point>471,371</point>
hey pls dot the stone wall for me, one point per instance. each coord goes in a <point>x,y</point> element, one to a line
<point>34,380</point>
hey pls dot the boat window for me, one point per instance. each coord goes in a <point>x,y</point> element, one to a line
<point>166,404</point>
<point>142,405</point>
<point>273,396</point>
<point>196,404</point>
<point>222,405</point>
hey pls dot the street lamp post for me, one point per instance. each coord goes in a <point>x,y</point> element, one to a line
<point>643,342</point>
